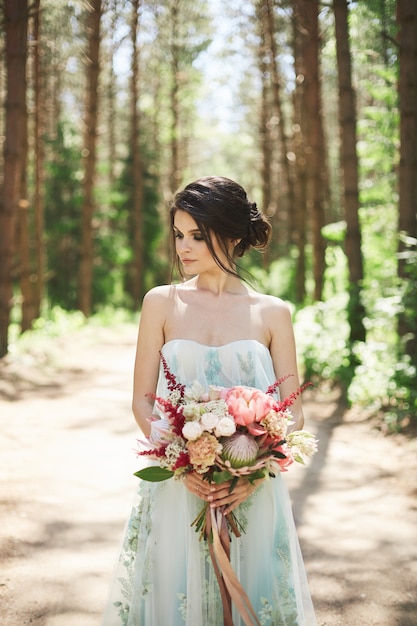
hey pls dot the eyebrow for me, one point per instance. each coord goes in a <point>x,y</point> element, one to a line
<point>194,230</point>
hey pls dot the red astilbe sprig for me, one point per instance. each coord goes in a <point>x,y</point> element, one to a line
<point>173,412</point>
<point>173,384</point>
<point>183,460</point>
<point>272,388</point>
<point>155,452</point>
<point>282,405</point>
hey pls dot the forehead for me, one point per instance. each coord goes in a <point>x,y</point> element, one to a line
<point>184,222</point>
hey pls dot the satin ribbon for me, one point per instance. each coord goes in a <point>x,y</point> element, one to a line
<point>230,587</point>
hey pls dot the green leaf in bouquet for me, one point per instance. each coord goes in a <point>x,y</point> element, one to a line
<point>221,477</point>
<point>278,454</point>
<point>154,474</point>
<point>258,475</point>
<point>299,459</point>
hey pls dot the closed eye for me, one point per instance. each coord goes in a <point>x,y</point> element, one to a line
<point>197,236</point>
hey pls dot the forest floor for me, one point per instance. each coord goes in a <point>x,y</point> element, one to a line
<point>66,486</point>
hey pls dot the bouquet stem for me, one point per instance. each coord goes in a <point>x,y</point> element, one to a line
<point>230,587</point>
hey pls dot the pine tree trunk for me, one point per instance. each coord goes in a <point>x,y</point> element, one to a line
<point>407,209</point>
<point>90,140</point>
<point>137,209</point>
<point>407,87</point>
<point>15,22</point>
<point>315,139</point>
<point>349,164</point>
<point>39,159</point>
<point>23,237</point>
<point>269,24</point>
<point>175,169</point>
<point>264,115</point>
<point>299,214</point>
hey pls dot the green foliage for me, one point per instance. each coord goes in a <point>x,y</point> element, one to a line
<point>63,217</point>
<point>403,387</point>
<point>322,332</point>
<point>155,265</point>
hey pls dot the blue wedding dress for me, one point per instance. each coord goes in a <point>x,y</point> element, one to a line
<point>164,576</point>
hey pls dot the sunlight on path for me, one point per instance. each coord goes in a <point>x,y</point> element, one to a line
<point>67,484</point>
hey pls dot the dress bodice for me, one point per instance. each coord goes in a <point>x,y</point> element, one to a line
<point>245,362</point>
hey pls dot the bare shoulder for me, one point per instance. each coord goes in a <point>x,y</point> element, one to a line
<point>273,306</point>
<point>159,296</point>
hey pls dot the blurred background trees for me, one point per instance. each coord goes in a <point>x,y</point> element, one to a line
<point>108,106</point>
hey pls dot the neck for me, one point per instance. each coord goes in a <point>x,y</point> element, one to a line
<point>219,284</point>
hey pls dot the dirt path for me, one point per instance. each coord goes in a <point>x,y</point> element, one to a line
<point>66,484</point>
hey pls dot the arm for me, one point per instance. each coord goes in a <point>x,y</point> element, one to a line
<point>151,338</point>
<point>283,353</point>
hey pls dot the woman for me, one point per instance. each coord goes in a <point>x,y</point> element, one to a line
<point>215,329</point>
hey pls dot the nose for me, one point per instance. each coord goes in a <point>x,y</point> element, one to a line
<point>183,244</point>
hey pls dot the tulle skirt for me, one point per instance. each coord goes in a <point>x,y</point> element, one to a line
<point>165,577</point>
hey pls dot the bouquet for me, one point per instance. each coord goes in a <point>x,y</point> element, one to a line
<point>223,434</point>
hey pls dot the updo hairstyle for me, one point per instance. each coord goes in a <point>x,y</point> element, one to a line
<point>220,207</point>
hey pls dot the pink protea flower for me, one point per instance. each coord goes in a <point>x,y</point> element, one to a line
<point>240,449</point>
<point>247,404</point>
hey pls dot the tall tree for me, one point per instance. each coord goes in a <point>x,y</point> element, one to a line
<point>349,165</point>
<point>138,190</point>
<point>175,54</point>
<point>267,7</point>
<point>407,221</point>
<point>90,140</point>
<point>265,113</point>
<point>316,159</point>
<point>24,269</point>
<point>39,161</point>
<point>15,21</point>
<point>407,88</point>
<point>299,215</point>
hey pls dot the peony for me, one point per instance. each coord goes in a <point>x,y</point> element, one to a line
<point>209,421</point>
<point>241,450</point>
<point>247,404</point>
<point>192,430</point>
<point>225,427</point>
<point>203,451</point>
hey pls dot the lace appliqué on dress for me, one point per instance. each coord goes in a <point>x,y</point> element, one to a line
<point>137,532</point>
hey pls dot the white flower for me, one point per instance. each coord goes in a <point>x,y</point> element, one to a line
<point>218,407</point>
<point>195,393</point>
<point>215,392</point>
<point>302,444</point>
<point>192,430</point>
<point>174,397</point>
<point>192,411</point>
<point>225,427</point>
<point>209,421</point>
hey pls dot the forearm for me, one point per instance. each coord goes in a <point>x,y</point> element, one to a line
<point>142,411</point>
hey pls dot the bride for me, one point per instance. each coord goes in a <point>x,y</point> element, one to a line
<point>215,329</point>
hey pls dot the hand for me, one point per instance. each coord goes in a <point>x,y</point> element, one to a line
<point>220,497</point>
<point>199,487</point>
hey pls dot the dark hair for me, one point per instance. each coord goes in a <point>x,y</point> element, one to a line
<point>221,207</point>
